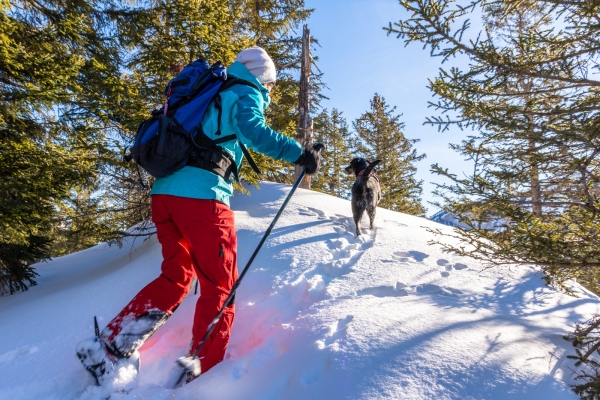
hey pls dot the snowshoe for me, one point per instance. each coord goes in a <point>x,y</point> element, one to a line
<point>192,366</point>
<point>186,370</point>
<point>95,358</point>
<point>102,363</point>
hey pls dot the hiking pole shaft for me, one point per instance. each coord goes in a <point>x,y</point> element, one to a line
<point>214,322</point>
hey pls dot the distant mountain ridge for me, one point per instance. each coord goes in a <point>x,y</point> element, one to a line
<point>446,218</point>
<point>449,219</point>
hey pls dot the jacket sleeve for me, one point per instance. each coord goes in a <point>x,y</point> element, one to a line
<point>255,132</point>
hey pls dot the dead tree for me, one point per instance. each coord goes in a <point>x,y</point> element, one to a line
<point>305,123</point>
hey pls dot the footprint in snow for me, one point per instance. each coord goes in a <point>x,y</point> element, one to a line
<point>338,257</point>
<point>402,289</point>
<point>344,249</point>
<point>405,256</point>
<point>343,225</point>
<point>337,332</point>
<point>312,212</point>
<point>435,289</point>
<point>306,212</point>
<point>448,266</point>
<point>19,351</point>
<point>385,291</point>
<point>393,222</point>
<point>320,213</point>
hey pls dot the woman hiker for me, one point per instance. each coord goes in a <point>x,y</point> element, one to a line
<point>196,229</point>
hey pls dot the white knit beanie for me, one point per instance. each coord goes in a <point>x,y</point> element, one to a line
<point>258,63</point>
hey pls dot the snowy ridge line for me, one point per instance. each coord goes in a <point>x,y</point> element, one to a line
<point>321,315</point>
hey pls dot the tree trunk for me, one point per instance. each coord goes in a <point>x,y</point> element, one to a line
<point>305,123</point>
<point>534,173</point>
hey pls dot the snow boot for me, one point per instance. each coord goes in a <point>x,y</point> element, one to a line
<point>99,361</point>
<point>124,335</point>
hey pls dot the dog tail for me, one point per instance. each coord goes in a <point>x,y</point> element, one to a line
<point>365,175</point>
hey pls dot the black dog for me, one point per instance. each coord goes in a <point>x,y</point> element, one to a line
<point>366,192</point>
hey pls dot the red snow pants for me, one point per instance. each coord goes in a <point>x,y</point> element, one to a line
<point>198,238</point>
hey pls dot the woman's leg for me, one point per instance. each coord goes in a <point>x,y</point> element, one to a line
<point>153,305</point>
<point>213,244</point>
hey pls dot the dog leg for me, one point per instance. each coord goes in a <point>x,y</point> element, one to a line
<point>372,212</point>
<point>357,213</point>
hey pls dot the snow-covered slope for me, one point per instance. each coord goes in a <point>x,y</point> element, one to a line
<point>321,315</point>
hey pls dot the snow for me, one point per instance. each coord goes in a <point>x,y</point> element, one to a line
<point>321,315</point>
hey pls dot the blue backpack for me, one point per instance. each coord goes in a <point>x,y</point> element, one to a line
<point>173,137</point>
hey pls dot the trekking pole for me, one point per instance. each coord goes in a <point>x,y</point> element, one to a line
<point>189,364</point>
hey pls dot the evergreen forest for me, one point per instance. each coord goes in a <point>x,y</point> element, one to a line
<point>78,77</point>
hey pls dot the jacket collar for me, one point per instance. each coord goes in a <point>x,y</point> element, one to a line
<point>240,71</point>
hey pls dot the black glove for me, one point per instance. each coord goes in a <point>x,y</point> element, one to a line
<point>311,158</point>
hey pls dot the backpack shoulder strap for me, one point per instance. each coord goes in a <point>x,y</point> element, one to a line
<point>217,99</point>
<point>237,81</point>
<point>229,83</point>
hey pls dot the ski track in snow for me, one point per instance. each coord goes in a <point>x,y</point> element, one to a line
<point>322,314</point>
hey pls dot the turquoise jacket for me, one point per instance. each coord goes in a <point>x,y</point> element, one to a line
<point>242,115</point>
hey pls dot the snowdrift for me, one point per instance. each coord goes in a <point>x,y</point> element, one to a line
<point>321,315</point>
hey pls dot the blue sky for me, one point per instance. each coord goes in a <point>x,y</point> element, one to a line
<point>358,59</point>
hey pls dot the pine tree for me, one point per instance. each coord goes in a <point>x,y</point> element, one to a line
<point>380,137</point>
<point>529,94</point>
<point>52,54</point>
<point>331,129</point>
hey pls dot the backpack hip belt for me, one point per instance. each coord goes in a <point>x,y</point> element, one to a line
<point>213,160</point>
